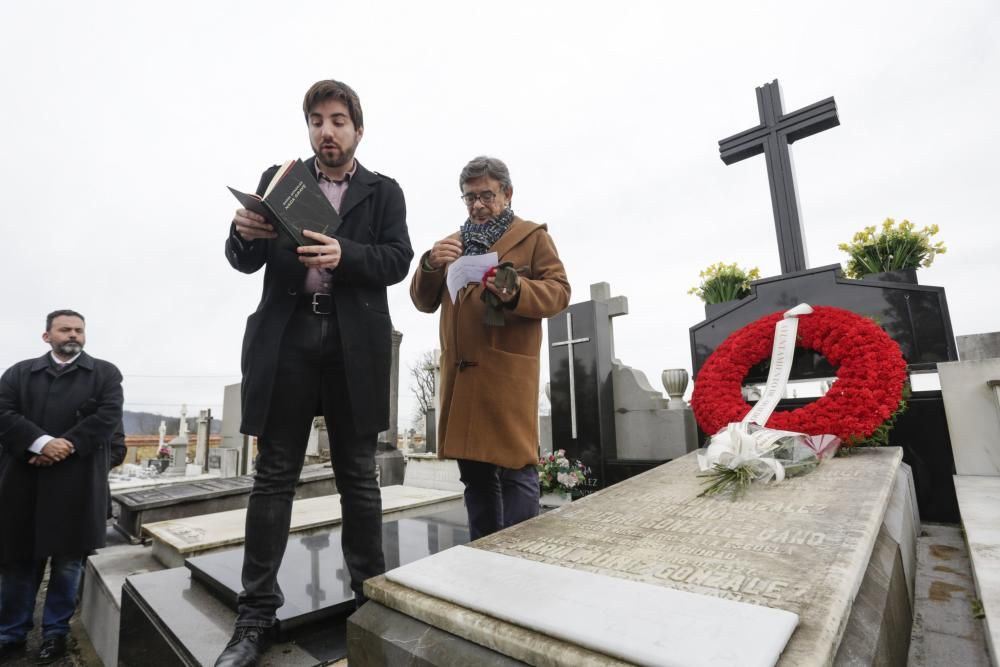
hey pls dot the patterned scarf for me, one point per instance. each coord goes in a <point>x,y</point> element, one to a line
<point>478,239</point>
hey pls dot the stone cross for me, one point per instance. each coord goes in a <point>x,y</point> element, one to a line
<point>431,416</point>
<point>568,343</point>
<point>182,429</point>
<point>771,137</point>
<point>201,439</point>
<point>435,368</point>
<point>617,305</point>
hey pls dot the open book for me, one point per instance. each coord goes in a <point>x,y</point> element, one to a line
<point>293,202</point>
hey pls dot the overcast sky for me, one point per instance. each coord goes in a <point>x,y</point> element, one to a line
<point>121,124</point>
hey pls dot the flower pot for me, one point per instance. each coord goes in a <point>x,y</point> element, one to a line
<point>898,276</point>
<point>555,499</point>
<point>675,381</point>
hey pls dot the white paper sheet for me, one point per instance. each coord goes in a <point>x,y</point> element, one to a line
<point>468,269</point>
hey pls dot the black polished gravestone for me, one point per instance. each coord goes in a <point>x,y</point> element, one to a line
<point>581,393</point>
<point>313,575</point>
<point>915,316</point>
<point>184,616</point>
<point>184,499</point>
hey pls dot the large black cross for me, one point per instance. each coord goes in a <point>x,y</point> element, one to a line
<point>776,130</point>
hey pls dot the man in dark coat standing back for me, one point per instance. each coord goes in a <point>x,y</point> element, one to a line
<point>57,417</point>
<point>319,343</point>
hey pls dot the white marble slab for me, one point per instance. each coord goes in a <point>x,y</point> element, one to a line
<point>598,612</point>
<point>979,503</point>
<point>177,539</point>
<point>973,414</point>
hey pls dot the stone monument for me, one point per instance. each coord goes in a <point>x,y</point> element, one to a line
<point>648,572</point>
<point>915,316</point>
<point>618,425</point>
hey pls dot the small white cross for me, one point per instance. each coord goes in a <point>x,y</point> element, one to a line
<point>569,342</point>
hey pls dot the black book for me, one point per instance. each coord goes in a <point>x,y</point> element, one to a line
<point>293,202</point>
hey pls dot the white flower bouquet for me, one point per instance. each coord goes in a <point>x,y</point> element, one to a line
<point>744,453</point>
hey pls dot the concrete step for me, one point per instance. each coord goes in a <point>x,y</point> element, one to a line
<point>945,629</point>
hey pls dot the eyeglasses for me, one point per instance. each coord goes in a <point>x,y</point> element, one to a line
<point>486,196</point>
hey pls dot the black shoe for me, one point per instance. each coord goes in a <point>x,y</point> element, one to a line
<point>52,649</point>
<point>11,648</point>
<point>246,647</point>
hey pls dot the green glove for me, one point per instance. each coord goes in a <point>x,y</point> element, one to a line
<point>505,278</point>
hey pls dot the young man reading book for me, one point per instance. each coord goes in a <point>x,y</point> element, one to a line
<point>319,343</point>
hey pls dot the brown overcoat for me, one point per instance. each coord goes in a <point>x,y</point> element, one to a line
<point>489,375</point>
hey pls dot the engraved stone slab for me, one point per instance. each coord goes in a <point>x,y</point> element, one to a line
<point>174,541</point>
<point>169,495</point>
<point>204,496</point>
<point>802,546</point>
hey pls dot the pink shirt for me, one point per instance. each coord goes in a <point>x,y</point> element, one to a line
<point>318,280</point>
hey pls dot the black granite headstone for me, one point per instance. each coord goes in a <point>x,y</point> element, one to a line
<point>313,576</point>
<point>183,616</point>
<point>915,316</point>
<point>168,619</point>
<point>581,392</point>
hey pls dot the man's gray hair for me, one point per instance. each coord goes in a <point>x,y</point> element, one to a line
<point>484,165</point>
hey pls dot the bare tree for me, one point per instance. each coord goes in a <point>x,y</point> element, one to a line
<point>423,375</point>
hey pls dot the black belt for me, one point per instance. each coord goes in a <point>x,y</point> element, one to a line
<point>318,303</point>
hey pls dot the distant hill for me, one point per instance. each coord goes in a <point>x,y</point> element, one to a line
<point>148,423</point>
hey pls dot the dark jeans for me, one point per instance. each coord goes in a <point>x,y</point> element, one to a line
<point>496,497</point>
<point>19,584</point>
<point>310,377</point>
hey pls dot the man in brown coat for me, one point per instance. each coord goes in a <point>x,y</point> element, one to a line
<point>490,361</point>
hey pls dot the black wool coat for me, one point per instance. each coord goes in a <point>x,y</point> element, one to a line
<point>376,253</point>
<point>58,510</point>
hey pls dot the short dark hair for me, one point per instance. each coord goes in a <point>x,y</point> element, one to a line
<point>60,313</point>
<point>484,165</point>
<point>330,89</point>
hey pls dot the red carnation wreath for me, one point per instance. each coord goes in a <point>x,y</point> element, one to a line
<point>868,391</point>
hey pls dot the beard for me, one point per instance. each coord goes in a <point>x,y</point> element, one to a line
<point>338,159</point>
<point>69,349</point>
